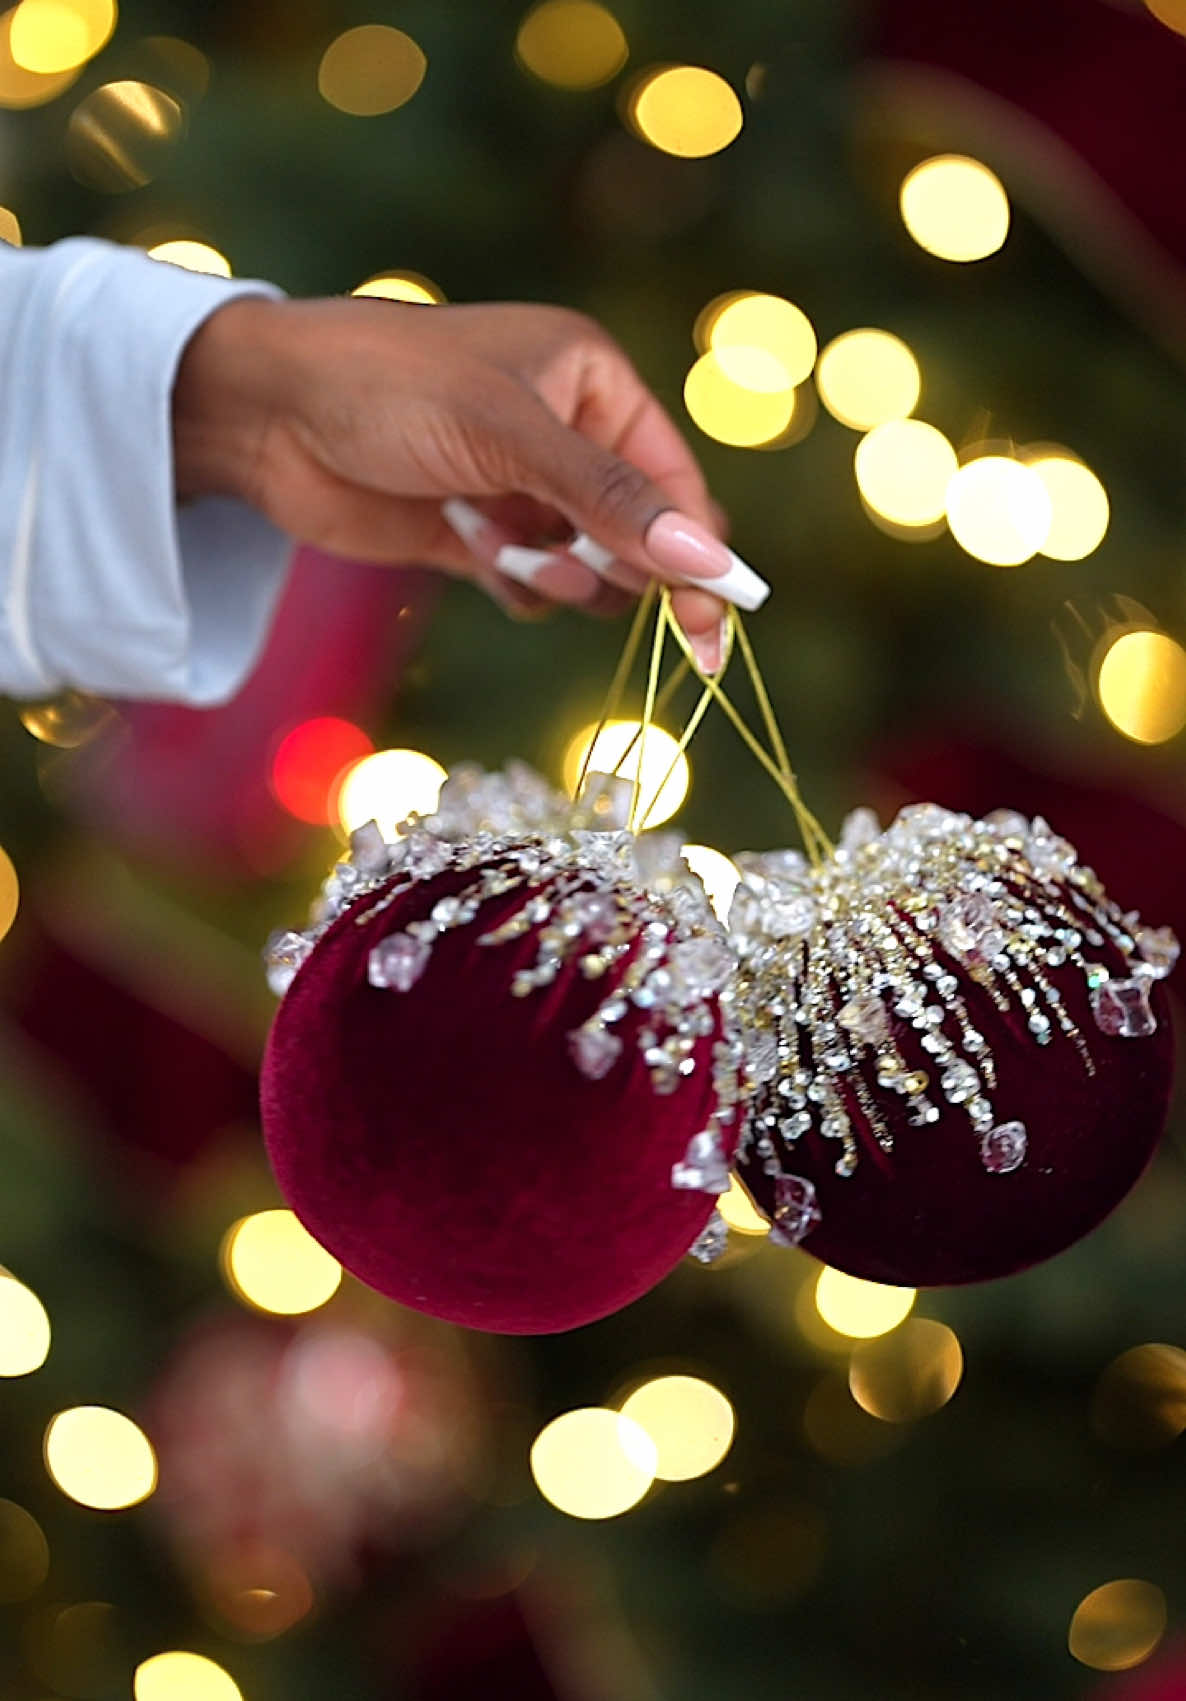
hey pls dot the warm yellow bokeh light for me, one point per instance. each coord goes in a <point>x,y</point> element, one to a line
<point>867,377</point>
<point>10,227</point>
<point>903,469</point>
<point>1079,508</point>
<point>273,1263</point>
<point>1140,1399</point>
<point>691,1423</point>
<point>740,1212</point>
<point>738,414</point>
<point>20,88</point>
<point>955,207</point>
<point>686,110</point>
<point>388,787</point>
<point>765,324</point>
<point>24,1329</point>
<point>192,257</point>
<point>51,36</point>
<point>718,875</point>
<point>402,286</point>
<point>10,893</point>
<point>860,1309</point>
<point>907,1374</point>
<point>619,748</point>
<point>1171,13</point>
<point>571,43</point>
<point>371,69</point>
<point>998,510</point>
<point>24,1554</point>
<point>100,1458</point>
<point>121,135</point>
<point>1142,686</point>
<point>1118,1625</point>
<point>183,1677</point>
<point>593,1463</point>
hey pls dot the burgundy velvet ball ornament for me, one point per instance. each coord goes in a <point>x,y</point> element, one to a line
<point>962,1043</point>
<point>501,1085</point>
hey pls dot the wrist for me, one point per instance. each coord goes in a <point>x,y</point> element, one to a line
<point>220,401</point>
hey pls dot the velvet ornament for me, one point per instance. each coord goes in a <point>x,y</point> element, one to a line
<point>963,1046</point>
<point>489,1063</point>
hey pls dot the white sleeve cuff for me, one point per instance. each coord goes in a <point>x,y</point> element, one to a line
<point>105,584</point>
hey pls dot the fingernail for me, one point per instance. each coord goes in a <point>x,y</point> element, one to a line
<point>709,649</point>
<point>593,554</point>
<point>545,572</point>
<point>681,545</point>
<point>463,518</point>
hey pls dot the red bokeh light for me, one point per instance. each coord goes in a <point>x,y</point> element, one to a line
<point>308,762</point>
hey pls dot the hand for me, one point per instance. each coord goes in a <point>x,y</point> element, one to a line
<point>347,422</point>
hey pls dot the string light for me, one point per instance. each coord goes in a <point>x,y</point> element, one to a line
<point>903,469</point>
<point>857,1308</point>
<point>273,1264</point>
<point>593,1462</point>
<point>998,510</point>
<point>763,342</point>
<point>388,787</point>
<point>24,1554</point>
<point>24,1329</point>
<point>1142,686</point>
<point>370,70</point>
<point>746,416</point>
<point>20,88</point>
<point>740,1212</point>
<point>572,44</point>
<point>402,286</point>
<point>685,110</point>
<point>100,1458</point>
<point>1079,508</point>
<point>690,1422</point>
<point>119,137</point>
<point>718,875</point>
<point>908,1374</point>
<point>660,792</point>
<point>10,893</point>
<point>309,762</point>
<point>51,36</point>
<point>179,1676</point>
<point>192,257</point>
<point>866,377</point>
<point>955,208</point>
<point>1118,1625</point>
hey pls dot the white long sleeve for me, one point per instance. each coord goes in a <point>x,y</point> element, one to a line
<point>105,583</point>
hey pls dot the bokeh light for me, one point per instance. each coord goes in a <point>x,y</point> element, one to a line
<point>178,1676</point>
<point>24,1554</point>
<point>1140,1399</point>
<point>370,70</point>
<point>955,207</point>
<point>691,1423</point>
<point>1171,13</point>
<point>903,469</point>
<point>272,1262</point>
<point>739,1210</point>
<point>617,749</point>
<point>120,136</point>
<point>718,875</point>
<point>840,1430</point>
<point>10,893</point>
<point>309,762</point>
<point>402,286</point>
<point>67,721</point>
<point>51,36</point>
<point>10,227</point>
<point>1142,686</point>
<point>192,257</point>
<point>388,787</point>
<point>77,1650</point>
<point>20,88</point>
<point>258,1592</point>
<point>744,415</point>
<point>24,1329</point>
<point>593,1462</point>
<point>573,44</point>
<point>857,1308</point>
<point>1079,508</point>
<point>998,510</point>
<point>1118,1625</point>
<point>763,342</point>
<point>908,1374</point>
<point>685,110</point>
<point>100,1458</point>
<point>176,66</point>
<point>866,377</point>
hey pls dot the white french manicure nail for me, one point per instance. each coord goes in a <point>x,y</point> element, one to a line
<point>463,518</point>
<point>522,564</point>
<point>594,555</point>
<point>740,585</point>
